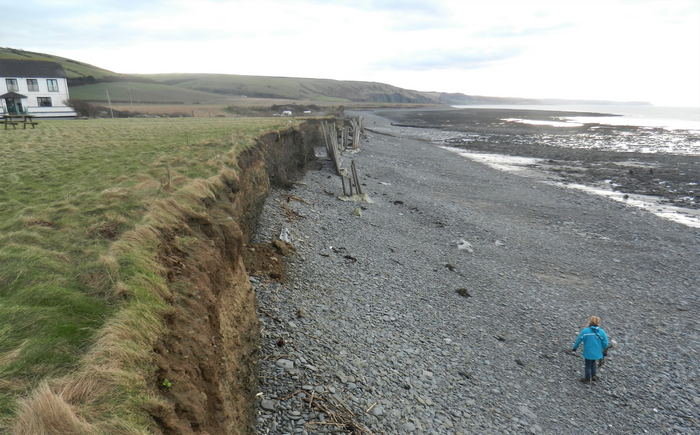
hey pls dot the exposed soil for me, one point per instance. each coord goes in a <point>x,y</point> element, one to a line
<point>207,363</point>
<point>263,259</point>
<point>674,178</point>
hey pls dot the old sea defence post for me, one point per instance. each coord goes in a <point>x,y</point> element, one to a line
<point>203,364</point>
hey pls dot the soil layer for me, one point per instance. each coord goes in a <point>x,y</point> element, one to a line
<point>207,363</point>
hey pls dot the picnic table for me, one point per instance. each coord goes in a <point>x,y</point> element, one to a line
<point>15,120</point>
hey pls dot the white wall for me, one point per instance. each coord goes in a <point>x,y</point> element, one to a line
<point>57,98</point>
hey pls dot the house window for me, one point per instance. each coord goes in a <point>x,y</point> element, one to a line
<point>53,85</point>
<point>12,85</point>
<point>44,101</point>
<point>33,85</point>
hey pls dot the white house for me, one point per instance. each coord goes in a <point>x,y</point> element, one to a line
<point>35,87</point>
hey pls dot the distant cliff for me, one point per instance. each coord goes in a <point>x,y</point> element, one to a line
<point>462,99</point>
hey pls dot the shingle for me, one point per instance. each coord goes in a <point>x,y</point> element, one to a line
<point>31,68</point>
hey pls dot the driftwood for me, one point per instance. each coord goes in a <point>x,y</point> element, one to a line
<point>337,413</point>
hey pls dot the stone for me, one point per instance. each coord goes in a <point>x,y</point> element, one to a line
<point>285,364</point>
<point>268,405</point>
<point>535,428</point>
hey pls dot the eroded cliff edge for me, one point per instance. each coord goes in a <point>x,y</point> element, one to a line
<point>206,363</point>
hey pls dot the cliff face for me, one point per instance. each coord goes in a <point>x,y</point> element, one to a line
<point>206,364</point>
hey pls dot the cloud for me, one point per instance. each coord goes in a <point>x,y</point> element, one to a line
<point>511,32</point>
<point>442,59</point>
<point>456,45</point>
<point>77,23</point>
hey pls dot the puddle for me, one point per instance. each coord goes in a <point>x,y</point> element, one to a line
<point>524,166</point>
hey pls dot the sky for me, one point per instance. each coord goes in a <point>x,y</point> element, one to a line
<point>602,50</point>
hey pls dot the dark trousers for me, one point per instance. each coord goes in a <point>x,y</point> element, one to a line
<point>590,368</point>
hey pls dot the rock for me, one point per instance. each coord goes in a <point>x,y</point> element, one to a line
<point>463,292</point>
<point>535,428</point>
<point>285,364</point>
<point>268,405</point>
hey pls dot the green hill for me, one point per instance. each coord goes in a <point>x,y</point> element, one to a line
<point>88,82</point>
<point>144,93</point>
<point>74,69</point>
<point>293,88</point>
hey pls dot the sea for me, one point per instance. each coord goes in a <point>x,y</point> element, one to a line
<point>646,129</point>
<point>672,130</point>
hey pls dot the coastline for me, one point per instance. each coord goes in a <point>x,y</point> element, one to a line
<point>674,178</point>
<point>381,310</point>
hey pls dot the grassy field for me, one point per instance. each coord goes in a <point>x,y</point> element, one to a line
<point>125,92</point>
<point>296,88</point>
<point>68,191</point>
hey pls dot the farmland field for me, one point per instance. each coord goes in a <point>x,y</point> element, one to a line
<point>68,190</point>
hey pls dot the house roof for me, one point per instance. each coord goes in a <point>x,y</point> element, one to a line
<point>12,95</point>
<point>31,68</point>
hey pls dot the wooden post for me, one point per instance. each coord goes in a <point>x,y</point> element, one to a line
<point>355,134</point>
<point>356,177</point>
<point>325,138</point>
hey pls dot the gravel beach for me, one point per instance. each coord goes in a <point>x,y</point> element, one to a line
<point>449,305</point>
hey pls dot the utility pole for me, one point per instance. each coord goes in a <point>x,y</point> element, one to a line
<point>110,103</point>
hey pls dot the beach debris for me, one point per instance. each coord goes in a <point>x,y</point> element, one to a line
<point>463,292</point>
<point>463,245</point>
<point>295,198</point>
<point>450,267</point>
<point>357,212</point>
<point>285,235</point>
<point>357,198</point>
<point>384,184</point>
<point>500,243</point>
<point>291,215</point>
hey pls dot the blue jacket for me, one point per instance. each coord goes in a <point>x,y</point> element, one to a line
<point>593,344</point>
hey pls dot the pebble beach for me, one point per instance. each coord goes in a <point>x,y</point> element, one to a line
<point>450,303</point>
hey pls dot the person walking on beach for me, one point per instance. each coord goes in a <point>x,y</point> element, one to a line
<point>595,341</point>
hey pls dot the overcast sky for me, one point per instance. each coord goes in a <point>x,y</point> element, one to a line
<point>612,50</point>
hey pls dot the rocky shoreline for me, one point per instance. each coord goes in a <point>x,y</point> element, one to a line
<point>673,178</point>
<point>448,305</point>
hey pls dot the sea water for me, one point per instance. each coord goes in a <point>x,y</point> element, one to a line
<point>638,128</point>
<point>671,130</point>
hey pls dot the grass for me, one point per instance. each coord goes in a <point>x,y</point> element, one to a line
<point>73,68</point>
<point>77,271</point>
<point>295,88</point>
<point>126,92</point>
